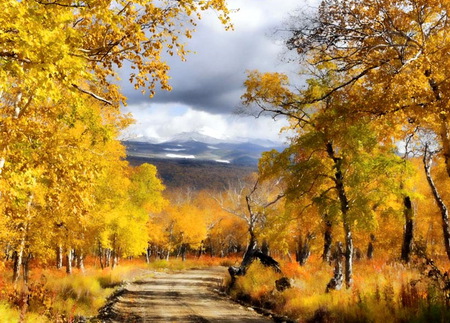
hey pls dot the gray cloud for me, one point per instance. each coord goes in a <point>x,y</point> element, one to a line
<point>211,80</point>
<point>213,76</point>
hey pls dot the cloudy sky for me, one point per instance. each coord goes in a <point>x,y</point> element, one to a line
<point>207,87</point>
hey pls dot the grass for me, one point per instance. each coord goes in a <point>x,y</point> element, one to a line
<point>382,292</point>
<point>54,296</point>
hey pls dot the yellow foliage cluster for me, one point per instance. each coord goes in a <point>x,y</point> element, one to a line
<point>63,182</point>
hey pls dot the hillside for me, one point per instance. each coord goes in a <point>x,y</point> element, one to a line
<point>198,161</point>
<point>196,174</point>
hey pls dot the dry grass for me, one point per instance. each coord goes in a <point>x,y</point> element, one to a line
<point>54,296</point>
<point>382,292</point>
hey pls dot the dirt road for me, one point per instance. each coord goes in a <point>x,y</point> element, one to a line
<point>186,296</point>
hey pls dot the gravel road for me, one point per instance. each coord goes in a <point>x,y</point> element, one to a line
<point>187,296</point>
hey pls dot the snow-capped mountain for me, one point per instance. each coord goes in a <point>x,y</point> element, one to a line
<point>194,136</point>
<point>196,146</point>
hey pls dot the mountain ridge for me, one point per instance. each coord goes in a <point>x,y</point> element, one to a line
<point>202,137</point>
<point>200,147</point>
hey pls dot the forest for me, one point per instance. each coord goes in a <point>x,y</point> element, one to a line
<point>349,223</point>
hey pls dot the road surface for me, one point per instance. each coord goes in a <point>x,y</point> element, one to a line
<point>188,296</point>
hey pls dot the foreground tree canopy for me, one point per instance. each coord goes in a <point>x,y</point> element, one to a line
<point>60,118</point>
<point>377,89</point>
<point>77,44</point>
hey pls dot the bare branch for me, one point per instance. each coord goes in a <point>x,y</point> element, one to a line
<point>56,3</point>
<point>95,96</point>
<point>279,197</point>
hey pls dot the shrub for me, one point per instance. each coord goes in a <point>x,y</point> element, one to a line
<point>257,285</point>
<point>8,314</point>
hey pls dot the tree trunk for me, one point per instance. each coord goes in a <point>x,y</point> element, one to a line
<point>69,261</point>
<point>265,248</point>
<point>248,256</point>
<point>251,254</point>
<point>148,253</point>
<point>17,258</point>
<point>26,267</point>
<point>438,199</point>
<point>370,247</point>
<point>114,252</point>
<point>80,261</point>
<point>107,257</point>
<point>348,256</point>
<point>443,131</point>
<point>327,241</point>
<point>75,258</point>
<point>338,278</point>
<point>100,256</point>
<point>115,258</point>
<point>408,231</point>
<point>7,252</point>
<point>183,250</point>
<point>201,249</point>
<point>211,247</point>
<point>339,181</point>
<point>304,249</point>
<point>444,134</point>
<point>22,244</point>
<point>59,257</point>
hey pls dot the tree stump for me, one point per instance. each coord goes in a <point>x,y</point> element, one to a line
<point>251,254</point>
<point>282,284</point>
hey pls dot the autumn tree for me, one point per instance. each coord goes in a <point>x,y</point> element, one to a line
<point>225,232</point>
<point>391,60</point>
<point>60,105</point>
<point>61,162</point>
<point>424,144</point>
<point>254,202</point>
<point>80,43</point>
<point>181,226</point>
<point>334,161</point>
<point>128,197</point>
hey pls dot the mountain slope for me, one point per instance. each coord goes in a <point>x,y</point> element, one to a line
<point>196,174</point>
<point>201,148</point>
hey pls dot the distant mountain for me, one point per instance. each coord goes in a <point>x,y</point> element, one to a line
<point>199,147</point>
<point>193,136</point>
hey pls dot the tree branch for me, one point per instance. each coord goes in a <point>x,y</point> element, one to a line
<point>95,96</point>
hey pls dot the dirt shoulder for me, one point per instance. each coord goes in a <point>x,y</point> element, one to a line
<point>187,296</point>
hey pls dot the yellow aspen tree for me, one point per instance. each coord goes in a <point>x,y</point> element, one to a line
<point>333,160</point>
<point>60,105</point>
<point>391,58</point>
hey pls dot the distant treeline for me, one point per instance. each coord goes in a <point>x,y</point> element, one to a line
<point>195,174</point>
